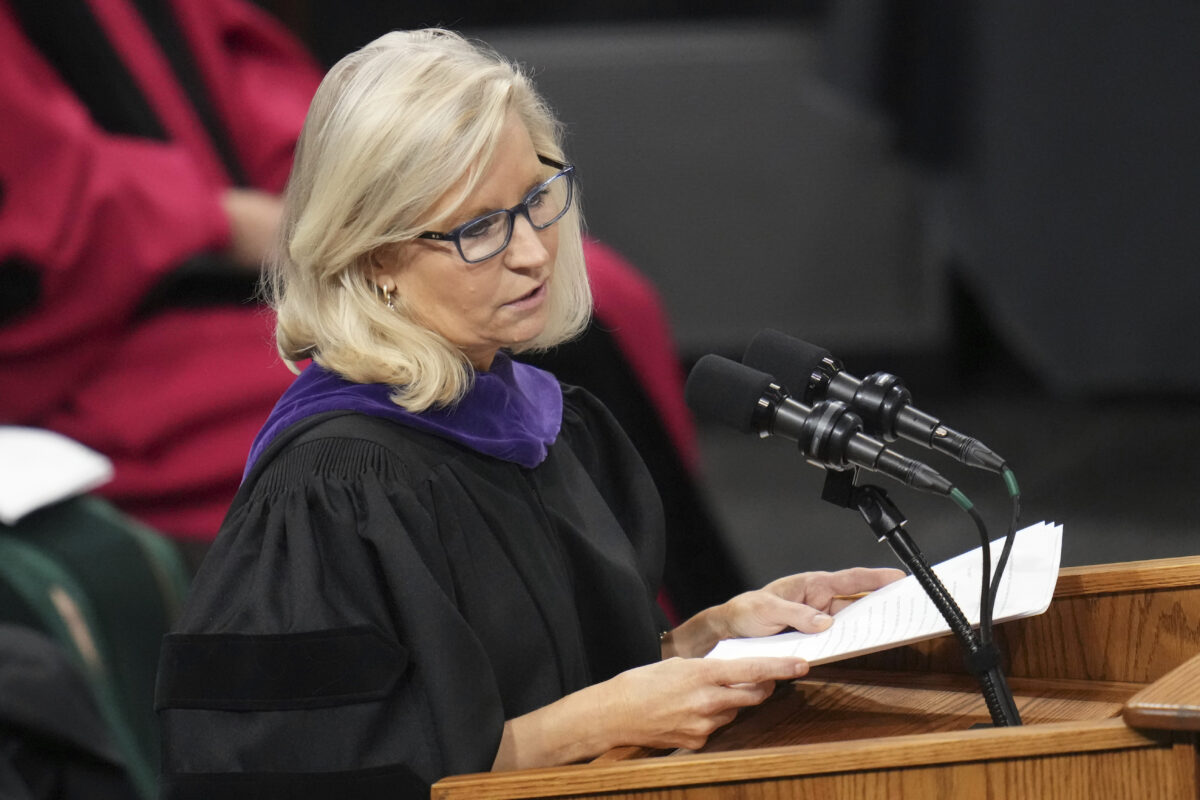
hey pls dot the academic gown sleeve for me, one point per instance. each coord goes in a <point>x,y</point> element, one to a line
<point>426,599</point>
<point>297,578</point>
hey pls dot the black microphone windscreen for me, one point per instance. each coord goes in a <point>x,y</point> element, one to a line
<point>721,390</point>
<point>791,360</point>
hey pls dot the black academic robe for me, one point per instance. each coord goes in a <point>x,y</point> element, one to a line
<point>380,600</point>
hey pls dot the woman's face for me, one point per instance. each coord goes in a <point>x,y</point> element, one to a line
<point>495,303</point>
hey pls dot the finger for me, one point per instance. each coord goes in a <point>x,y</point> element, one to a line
<point>831,591</point>
<point>807,619</point>
<point>735,671</point>
<point>803,615</point>
<point>862,579</point>
<point>819,588</point>
<point>746,694</point>
<point>770,684</point>
<point>723,718</point>
<point>773,614</point>
<point>794,587</point>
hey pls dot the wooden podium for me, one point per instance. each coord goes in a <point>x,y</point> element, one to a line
<point>1107,682</point>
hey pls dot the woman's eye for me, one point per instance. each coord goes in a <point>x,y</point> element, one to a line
<point>481,228</point>
<point>537,198</point>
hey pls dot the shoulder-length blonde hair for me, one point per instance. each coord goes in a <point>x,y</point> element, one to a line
<point>392,128</point>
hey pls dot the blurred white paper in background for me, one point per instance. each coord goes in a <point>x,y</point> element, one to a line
<point>40,467</point>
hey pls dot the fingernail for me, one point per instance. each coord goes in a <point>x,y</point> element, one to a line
<point>824,620</point>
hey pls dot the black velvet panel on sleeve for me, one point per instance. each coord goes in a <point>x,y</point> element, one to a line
<point>247,672</point>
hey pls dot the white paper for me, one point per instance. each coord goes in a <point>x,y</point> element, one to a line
<point>901,612</point>
<point>40,467</point>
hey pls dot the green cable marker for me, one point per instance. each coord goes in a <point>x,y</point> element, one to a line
<point>1010,480</point>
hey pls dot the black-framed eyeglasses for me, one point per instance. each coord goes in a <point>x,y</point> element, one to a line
<point>485,236</point>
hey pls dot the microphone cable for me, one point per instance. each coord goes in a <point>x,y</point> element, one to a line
<point>1014,493</point>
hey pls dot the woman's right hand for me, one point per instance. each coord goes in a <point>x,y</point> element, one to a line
<point>681,701</point>
<point>674,703</point>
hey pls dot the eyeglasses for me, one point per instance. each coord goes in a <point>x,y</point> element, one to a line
<point>483,237</point>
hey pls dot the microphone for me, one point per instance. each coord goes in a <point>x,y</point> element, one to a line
<point>829,434</point>
<point>881,399</point>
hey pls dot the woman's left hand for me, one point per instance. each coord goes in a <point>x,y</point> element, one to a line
<point>803,602</point>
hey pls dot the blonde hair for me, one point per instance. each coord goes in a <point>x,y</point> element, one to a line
<point>392,128</point>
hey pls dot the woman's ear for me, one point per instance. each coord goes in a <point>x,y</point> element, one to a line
<point>382,265</point>
<point>381,273</point>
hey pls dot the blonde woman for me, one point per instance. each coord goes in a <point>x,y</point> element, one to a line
<point>441,560</point>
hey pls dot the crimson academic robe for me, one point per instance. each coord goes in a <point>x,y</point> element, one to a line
<point>119,325</point>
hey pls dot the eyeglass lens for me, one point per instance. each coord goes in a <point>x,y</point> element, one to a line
<point>488,235</point>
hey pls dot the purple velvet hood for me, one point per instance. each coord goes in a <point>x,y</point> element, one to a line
<point>513,412</point>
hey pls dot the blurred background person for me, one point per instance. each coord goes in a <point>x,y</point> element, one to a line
<point>143,148</point>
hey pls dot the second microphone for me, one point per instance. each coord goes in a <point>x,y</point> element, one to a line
<point>829,433</point>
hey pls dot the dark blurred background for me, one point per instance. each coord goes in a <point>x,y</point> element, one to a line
<point>995,201</point>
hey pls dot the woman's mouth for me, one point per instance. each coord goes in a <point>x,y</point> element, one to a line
<point>529,300</point>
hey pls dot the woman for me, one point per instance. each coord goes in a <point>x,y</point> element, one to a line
<point>441,560</point>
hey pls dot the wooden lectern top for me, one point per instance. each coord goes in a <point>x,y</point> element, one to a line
<point>1107,682</point>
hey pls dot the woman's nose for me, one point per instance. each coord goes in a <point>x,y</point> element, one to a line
<point>526,250</point>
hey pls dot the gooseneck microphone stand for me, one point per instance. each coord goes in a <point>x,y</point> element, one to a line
<point>829,435</point>
<point>885,520</point>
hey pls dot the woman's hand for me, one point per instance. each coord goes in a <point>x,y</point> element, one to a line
<point>804,602</point>
<point>679,702</point>
<point>673,703</point>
